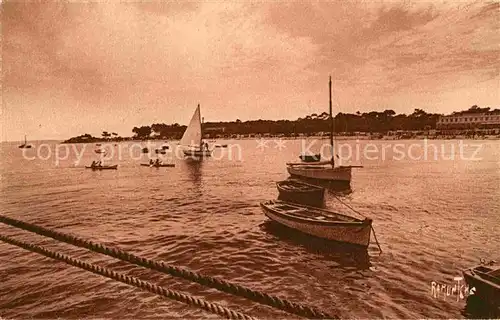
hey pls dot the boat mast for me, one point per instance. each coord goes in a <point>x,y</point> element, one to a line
<point>331,120</point>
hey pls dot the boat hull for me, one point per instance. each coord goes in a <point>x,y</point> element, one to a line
<point>486,286</point>
<point>342,174</point>
<point>312,196</point>
<point>197,153</point>
<point>352,233</point>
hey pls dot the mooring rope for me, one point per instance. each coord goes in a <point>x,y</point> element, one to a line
<point>133,281</point>
<point>356,211</point>
<point>221,285</point>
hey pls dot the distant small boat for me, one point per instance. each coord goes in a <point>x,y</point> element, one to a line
<point>99,151</point>
<point>170,165</point>
<point>165,147</point>
<point>485,279</point>
<point>160,151</point>
<point>300,192</point>
<point>310,158</point>
<point>145,150</point>
<point>98,144</point>
<point>102,167</point>
<point>320,223</point>
<point>25,145</point>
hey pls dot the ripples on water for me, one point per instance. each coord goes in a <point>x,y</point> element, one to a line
<point>433,218</point>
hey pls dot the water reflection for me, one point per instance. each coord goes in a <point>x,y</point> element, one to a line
<point>346,255</point>
<point>193,167</point>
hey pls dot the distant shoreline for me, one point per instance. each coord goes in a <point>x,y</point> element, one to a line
<point>257,137</point>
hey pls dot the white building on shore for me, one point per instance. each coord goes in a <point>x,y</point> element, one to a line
<point>474,118</point>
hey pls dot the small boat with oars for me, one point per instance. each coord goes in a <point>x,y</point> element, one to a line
<point>102,167</point>
<point>319,222</point>
<point>158,165</point>
<point>300,192</point>
<point>485,279</point>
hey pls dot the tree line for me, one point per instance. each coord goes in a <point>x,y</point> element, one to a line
<point>347,123</point>
<point>375,122</point>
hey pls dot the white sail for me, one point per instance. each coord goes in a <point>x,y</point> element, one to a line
<point>192,135</point>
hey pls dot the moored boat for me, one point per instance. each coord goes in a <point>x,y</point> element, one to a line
<point>321,172</point>
<point>301,192</point>
<point>319,222</point>
<point>114,167</point>
<point>324,170</point>
<point>485,281</point>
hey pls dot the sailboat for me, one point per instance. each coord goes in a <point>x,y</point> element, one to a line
<point>25,145</point>
<point>192,138</point>
<point>323,170</point>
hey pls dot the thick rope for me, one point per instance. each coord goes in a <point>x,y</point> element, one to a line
<point>221,285</point>
<point>356,211</point>
<point>133,281</point>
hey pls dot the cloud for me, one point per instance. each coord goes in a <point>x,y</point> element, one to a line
<point>394,47</point>
<point>149,61</point>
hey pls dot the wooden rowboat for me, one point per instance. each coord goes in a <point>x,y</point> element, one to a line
<point>485,279</point>
<point>300,192</point>
<point>102,167</point>
<point>158,165</point>
<point>320,223</point>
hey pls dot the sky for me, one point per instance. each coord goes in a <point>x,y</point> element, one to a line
<point>85,67</point>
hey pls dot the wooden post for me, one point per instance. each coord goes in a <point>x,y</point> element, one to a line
<point>331,124</point>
